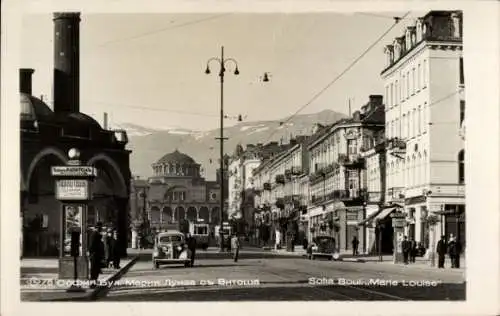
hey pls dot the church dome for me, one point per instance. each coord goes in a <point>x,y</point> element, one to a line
<point>176,157</point>
<point>35,109</point>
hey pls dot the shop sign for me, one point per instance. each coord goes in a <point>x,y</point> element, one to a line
<point>73,171</point>
<point>73,190</point>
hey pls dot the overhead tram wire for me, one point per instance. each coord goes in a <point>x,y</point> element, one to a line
<point>213,17</point>
<point>317,95</point>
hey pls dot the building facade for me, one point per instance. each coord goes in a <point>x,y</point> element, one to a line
<point>337,175</point>
<point>241,183</point>
<point>46,137</point>
<point>425,109</point>
<point>177,192</point>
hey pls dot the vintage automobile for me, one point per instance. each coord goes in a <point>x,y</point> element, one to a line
<point>170,248</point>
<point>322,246</point>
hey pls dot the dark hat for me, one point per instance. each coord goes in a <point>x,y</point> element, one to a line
<point>99,224</point>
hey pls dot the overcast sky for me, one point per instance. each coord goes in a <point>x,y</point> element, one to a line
<point>148,69</point>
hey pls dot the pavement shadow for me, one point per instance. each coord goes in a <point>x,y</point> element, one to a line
<point>224,256</point>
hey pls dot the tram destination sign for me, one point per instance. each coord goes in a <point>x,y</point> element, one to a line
<point>74,189</point>
<point>73,171</point>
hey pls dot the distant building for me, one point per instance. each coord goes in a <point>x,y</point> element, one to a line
<point>279,201</point>
<point>338,177</point>
<point>177,192</point>
<point>424,83</point>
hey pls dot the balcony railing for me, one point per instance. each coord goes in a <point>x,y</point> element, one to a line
<point>296,170</point>
<point>356,161</point>
<point>395,193</point>
<point>342,195</point>
<point>396,144</point>
<point>280,178</point>
<point>267,186</point>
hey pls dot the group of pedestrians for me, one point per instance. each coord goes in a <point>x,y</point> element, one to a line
<point>452,247</point>
<point>410,250</point>
<point>103,251</point>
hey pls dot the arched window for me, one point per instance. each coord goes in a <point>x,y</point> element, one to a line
<point>461,167</point>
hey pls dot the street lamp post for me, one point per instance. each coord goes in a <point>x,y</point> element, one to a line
<point>222,63</point>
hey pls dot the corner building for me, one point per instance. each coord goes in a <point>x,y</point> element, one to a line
<point>425,108</point>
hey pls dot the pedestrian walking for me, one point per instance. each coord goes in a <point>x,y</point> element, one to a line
<point>108,252</point>
<point>355,244</point>
<point>115,252</point>
<point>406,246</point>
<point>454,251</point>
<point>413,250</point>
<point>441,250</point>
<point>191,244</point>
<point>235,246</point>
<point>96,253</point>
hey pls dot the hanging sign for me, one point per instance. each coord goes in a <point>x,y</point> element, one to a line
<point>73,171</point>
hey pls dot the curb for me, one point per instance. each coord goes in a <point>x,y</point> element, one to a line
<point>100,291</point>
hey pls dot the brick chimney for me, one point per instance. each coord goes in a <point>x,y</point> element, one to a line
<point>25,80</point>
<point>67,62</point>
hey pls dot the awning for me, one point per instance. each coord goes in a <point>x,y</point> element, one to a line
<point>380,214</point>
<point>384,213</point>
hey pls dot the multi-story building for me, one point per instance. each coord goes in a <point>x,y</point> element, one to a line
<point>425,109</point>
<point>241,183</point>
<point>277,180</point>
<point>337,179</point>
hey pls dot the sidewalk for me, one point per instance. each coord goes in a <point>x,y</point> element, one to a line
<point>39,281</point>
<point>420,262</point>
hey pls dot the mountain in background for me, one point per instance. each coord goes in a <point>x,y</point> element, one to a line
<point>148,145</point>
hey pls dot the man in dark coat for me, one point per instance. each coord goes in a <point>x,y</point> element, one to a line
<point>115,253</point>
<point>355,244</point>
<point>454,251</point>
<point>191,243</point>
<point>413,250</point>
<point>108,252</point>
<point>441,251</point>
<point>96,252</point>
<point>406,247</point>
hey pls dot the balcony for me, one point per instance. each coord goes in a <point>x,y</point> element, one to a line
<point>317,199</point>
<point>397,145</point>
<point>296,170</point>
<point>356,161</point>
<point>395,193</point>
<point>341,195</point>
<point>292,198</point>
<point>267,186</point>
<point>280,179</point>
<point>374,197</point>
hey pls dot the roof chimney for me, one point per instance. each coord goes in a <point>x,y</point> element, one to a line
<point>67,62</point>
<point>25,81</point>
<point>376,100</point>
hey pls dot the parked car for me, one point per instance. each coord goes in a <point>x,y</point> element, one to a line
<point>170,248</point>
<point>322,246</point>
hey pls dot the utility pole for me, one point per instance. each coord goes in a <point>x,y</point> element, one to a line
<point>222,64</point>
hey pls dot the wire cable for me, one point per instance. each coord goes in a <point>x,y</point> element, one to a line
<point>213,17</point>
<point>318,94</point>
